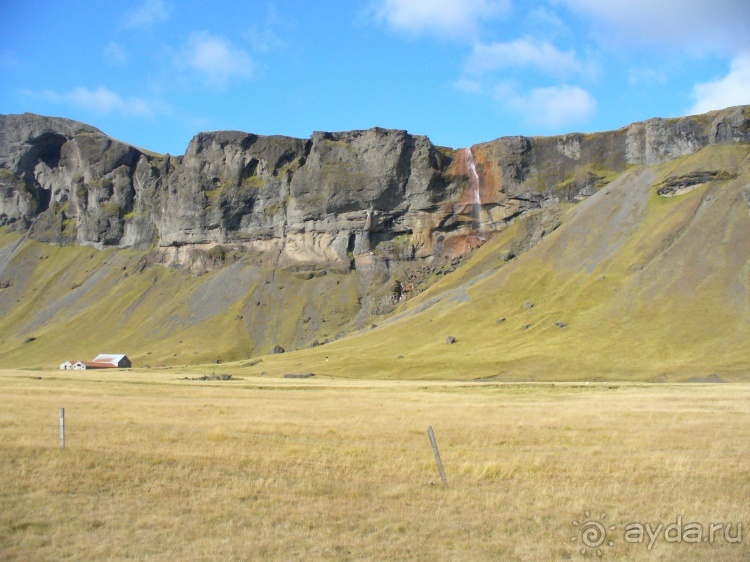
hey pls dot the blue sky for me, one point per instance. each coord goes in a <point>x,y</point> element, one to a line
<point>156,72</point>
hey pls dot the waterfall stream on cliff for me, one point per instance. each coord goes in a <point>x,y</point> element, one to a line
<point>474,183</point>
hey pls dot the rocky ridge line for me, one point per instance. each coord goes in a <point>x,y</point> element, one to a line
<point>348,200</point>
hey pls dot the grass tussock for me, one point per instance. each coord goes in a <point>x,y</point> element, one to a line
<point>162,468</point>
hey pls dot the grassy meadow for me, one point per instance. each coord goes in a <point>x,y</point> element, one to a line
<point>160,466</point>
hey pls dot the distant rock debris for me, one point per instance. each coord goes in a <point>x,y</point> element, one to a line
<point>450,339</point>
<point>278,349</point>
<point>713,378</point>
<point>299,375</point>
<point>213,377</point>
<point>561,324</point>
<point>528,304</point>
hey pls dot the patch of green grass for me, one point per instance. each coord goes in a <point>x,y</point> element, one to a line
<point>7,175</point>
<point>253,182</point>
<point>110,208</point>
<point>446,151</point>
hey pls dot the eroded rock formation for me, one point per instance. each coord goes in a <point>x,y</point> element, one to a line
<point>357,199</point>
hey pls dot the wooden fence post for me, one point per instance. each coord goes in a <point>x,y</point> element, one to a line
<point>437,455</point>
<point>62,428</point>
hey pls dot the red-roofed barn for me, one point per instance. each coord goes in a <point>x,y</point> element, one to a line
<point>101,361</point>
<point>109,361</point>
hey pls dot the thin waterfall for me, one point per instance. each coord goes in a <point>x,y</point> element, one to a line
<point>474,184</point>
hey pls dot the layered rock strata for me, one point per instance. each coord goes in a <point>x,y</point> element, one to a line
<point>357,199</point>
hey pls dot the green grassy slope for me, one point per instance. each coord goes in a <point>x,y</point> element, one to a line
<point>649,287</point>
<point>632,285</point>
<point>77,302</point>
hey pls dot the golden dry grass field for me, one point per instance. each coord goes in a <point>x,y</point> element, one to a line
<point>157,467</point>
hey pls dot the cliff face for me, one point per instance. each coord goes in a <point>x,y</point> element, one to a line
<point>358,199</point>
<point>296,243</point>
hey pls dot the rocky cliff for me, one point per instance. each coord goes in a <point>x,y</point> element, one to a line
<point>358,199</point>
<point>294,243</point>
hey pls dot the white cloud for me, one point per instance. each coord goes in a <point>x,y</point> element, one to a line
<point>523,53</point>
<point>150,12</point>
<point>217,59</point>
<point>733,89</point>
<point>102,100</point>
<point>693,24</point>
<point>549,108</point>
<point>449,18</point>
<point>493,70</point>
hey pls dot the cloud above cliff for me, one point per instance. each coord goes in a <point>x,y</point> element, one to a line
<point>101,100</point>
<point>732,89</point>
<point>700,28</point>
<point>498,70</point>
<point>450,18</point>
<point>524,52</point>
<point>547,108</point>
<point>216,60</point>
<point>692,24</point>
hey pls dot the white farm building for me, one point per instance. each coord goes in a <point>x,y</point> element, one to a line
<point>101,361</point>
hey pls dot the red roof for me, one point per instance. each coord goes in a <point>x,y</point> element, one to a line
<point>99,365</point>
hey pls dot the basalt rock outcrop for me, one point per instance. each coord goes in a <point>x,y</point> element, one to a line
<point>349,200</point>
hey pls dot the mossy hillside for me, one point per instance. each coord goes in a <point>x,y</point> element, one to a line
<point>76,302</point>
<point>501,247</point>
<point>670,302</point>
<point>138,313</point>
<point>723,161</point>
<point>631,285</point>
<point>8,236</point>
<point>47,289</point>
